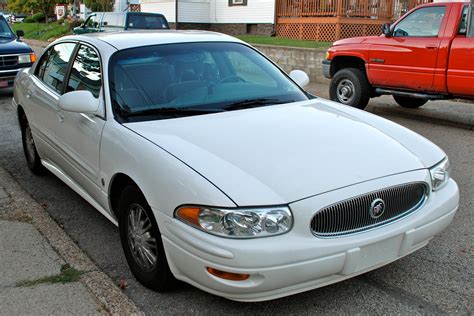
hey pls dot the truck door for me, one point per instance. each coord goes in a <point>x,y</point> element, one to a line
<point>461,66</point>
<point>407,58</point>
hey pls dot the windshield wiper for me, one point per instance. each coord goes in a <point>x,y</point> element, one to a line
<point>169,111</point>
<point>252,103</point>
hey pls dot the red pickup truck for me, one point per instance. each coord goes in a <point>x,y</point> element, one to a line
<point>428,54</point>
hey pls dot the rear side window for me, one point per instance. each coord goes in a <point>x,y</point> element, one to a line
<point>85,72</point>
<point>424,22</point>
<point>154,22</point>
<point>53,66</point>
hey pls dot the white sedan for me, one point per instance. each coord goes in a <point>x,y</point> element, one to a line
<point>220,170</point>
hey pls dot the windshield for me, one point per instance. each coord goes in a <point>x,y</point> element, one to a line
<point>196,78</point>
<point>5,30</point>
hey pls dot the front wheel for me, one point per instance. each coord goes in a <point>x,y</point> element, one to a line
<point>351,87</point>
<point>141,241</point>
<point>408,102</point>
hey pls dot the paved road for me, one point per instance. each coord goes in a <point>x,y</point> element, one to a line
<point>438,278</point>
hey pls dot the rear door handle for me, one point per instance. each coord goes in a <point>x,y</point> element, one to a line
<point>431,46</point>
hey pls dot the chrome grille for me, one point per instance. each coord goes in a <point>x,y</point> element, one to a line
<point>353,215</point>
<point>8,61</point>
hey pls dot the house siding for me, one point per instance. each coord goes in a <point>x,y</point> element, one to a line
<point>165,7</point>
<point>256,11</point>
<point>194,11</point>
<point>257,17</point>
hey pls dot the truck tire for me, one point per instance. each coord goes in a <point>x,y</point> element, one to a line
<point>408,102</point>
<point>350,86</point>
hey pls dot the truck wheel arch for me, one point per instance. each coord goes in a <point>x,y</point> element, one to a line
<point>343,62</point>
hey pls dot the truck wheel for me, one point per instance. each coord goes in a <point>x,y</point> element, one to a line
<point>408,102</point>
<point>351,87</point>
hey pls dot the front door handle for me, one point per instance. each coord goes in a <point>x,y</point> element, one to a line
<point>431,46</point>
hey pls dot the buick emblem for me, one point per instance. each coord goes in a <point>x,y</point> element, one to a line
<point>377,208</point>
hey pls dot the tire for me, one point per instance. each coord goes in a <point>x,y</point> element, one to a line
<point>32,157</point>
<point>350,87</point>
<point>408,102</point>
<point>156,276</point>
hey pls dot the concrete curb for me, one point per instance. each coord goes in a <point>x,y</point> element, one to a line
<point>97,283</point>
<point>421,114</point>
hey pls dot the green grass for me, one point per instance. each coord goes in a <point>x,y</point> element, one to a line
<point>281,41</point>
<point>67,275</point>
<point>41,31</point>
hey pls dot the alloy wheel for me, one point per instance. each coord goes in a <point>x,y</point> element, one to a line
<point>141,241</point>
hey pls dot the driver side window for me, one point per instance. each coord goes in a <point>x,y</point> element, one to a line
<point>424,22</point>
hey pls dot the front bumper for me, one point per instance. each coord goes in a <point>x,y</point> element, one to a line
<point>298,261</point>
<point>327,69</point>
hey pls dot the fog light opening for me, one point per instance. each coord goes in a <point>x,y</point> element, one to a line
<point>228,275</point>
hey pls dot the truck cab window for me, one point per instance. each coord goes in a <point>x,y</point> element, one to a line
<point>463,24</point>
<point>424,22</point>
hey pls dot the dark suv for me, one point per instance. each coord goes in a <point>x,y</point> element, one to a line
<point>14,54</point>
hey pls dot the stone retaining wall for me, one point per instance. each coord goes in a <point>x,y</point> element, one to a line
<point>290,58</point>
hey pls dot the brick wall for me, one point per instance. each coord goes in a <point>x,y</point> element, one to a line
<point>289,58</point>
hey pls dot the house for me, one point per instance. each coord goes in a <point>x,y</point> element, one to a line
<point>319,20</point>
<point>227,16</point>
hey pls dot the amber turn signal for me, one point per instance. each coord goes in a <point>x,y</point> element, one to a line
<point>32,57</point>
<point>190,214</point>
<point>228,275</point>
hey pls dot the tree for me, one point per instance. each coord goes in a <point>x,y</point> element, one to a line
<point>45,6</point>
<point>20,6</point>
<point>26,6</point>
<point>99,5</point>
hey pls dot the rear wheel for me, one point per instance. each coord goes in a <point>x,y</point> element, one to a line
<point>408,102</point>
<point>33,159</point>
<point>141,241</point>
<point>351,87</point>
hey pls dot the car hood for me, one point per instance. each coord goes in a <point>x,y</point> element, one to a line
<point>283,153</point>
<point>354,40</point>
<point>13,46</point>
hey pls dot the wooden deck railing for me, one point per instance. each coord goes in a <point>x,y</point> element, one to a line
<point>330,20</point>
<point>374,9</point>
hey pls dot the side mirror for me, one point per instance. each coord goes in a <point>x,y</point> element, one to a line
<point>81,101</point>
<point>20,33</point>
<point>300,77</point>
<point>386,29</point>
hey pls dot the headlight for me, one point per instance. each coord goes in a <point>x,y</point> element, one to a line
<point>440,174</point>
<point>27,58</point>
<point>238,222</point>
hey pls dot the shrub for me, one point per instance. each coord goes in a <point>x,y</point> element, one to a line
<point>38,17</point>
<point>28,19</point>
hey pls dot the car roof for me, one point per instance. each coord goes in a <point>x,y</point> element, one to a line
<point>129,39</point>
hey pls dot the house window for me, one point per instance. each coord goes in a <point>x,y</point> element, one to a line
<point>237,2</point>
